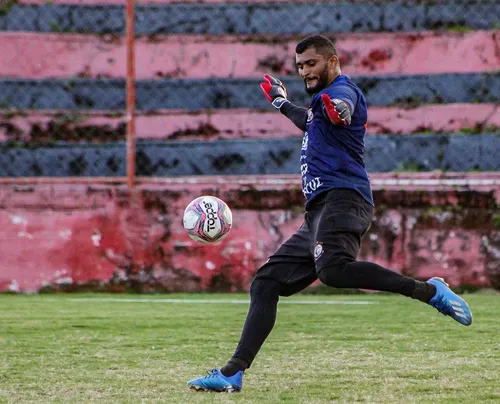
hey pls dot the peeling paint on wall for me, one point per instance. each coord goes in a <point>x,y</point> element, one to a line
<point>117,241</point>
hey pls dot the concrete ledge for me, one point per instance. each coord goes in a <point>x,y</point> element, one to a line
<point>392,181</point>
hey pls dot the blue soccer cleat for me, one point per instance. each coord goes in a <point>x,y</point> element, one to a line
<point>449,303</point>
<point>216,381</point>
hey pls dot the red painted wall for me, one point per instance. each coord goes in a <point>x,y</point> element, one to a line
<point>237,123</point>
<point>105,237</point>
<point>32,55</point>
<point>76,236</point>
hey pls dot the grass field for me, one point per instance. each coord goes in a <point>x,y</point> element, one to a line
<point>136,348</point>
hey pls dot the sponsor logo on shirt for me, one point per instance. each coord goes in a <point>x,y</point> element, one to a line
<point>310,186</point>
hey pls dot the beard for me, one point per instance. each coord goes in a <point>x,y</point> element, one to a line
<point>321,84</point>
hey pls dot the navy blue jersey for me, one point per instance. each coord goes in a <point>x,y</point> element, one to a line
<point>332,155</point>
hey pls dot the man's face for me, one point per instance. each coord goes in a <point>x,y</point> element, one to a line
<point>316,71</point>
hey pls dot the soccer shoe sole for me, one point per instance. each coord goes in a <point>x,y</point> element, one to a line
<point>229,389</point>
<point>442,280</point>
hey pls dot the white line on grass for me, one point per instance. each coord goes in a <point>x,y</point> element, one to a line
<point>213,301</point>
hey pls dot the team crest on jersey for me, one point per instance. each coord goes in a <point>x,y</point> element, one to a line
<point>310,115</point>
<point>318,250</point>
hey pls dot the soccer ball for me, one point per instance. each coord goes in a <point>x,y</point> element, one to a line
<point>207,219</point>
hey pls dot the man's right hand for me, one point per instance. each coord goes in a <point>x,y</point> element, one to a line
<point>274,90</point>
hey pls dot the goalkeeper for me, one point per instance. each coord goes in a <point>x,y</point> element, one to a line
<point>339,209</point>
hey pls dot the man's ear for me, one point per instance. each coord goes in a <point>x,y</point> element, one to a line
<point>333,61</point>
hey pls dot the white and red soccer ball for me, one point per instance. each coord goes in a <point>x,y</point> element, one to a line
<point>207,219</point>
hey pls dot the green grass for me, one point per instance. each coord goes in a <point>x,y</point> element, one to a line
<point>58,349</point>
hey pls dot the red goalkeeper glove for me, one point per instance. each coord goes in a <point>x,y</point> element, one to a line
<point>337,110</point>
<point>274,90</point>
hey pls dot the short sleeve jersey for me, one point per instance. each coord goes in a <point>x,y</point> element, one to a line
<point>332,155</point>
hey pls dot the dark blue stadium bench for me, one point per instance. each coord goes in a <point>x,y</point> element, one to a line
<point>256,19</point>
<point>195,94</point>
<point>384,153</point>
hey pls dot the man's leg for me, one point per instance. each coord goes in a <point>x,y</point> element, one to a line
<point>345,218</point>
<point>264,295</point>
<point>288,271</point>
<point>343,273</point>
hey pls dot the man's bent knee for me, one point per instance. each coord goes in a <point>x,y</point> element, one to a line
<point>263,287</point>
<point>334,275</point>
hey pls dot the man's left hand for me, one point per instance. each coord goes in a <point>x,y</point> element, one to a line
<point>337,110</point>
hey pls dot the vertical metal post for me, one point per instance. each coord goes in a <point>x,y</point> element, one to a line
<point>130,113</point>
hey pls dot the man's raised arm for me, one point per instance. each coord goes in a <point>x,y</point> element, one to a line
<point>276,94</point>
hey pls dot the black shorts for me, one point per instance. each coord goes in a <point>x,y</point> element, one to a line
<point>331,232</point>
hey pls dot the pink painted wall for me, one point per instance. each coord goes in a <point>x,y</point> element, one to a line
<point>61,236</point>
<point>71,235</point>
<point>30,55</point>
<point>239,123</point>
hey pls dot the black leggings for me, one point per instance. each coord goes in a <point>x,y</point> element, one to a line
<point>324,248</point>
<point>265,295</point>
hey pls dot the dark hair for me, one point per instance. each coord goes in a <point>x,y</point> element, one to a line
<point>321,44</point>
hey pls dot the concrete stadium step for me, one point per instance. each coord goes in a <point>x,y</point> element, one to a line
<point>233,124</point>
<point>484,184</point>
<point>255,18</point>
<point>384,153</point>
<point>196,94</point>
<point>34,55</point>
